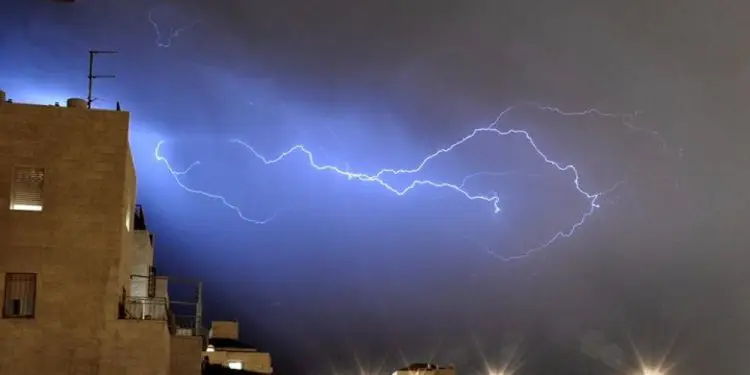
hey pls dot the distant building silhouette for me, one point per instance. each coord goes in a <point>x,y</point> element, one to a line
<point>222,370</point>
<point>425,369</point>
<point>80,293</point>
<point>225,350</point>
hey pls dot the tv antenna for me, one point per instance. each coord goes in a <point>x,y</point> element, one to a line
<point>92,54</point>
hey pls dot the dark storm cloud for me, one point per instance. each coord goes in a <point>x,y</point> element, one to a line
<point>356,272</point>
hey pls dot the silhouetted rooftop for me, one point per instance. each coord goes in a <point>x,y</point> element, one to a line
<point>222,343</point>
<point>221,370</point>
<point>139,221</point>
<point>422,367</point>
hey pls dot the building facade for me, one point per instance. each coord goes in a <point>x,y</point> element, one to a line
<point>224,348</point>
<point>80,295</point>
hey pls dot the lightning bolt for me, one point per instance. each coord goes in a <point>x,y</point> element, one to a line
<point>492,200</point>
<point>176,174</point>
<point>376,178</point>
<point>164,40</point>
<point>627,120</point>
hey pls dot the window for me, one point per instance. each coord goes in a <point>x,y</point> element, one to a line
<point>20,295</point>
<point>235,365</point>
<point>26,192</point>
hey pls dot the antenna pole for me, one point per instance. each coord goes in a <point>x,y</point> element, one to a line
<point>92,54</point>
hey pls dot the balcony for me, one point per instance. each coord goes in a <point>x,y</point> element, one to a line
<point>187,325</point>
<point>145,308</point>
<point>157,309</point>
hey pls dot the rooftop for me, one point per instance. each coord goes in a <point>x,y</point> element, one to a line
<point>222,343</point>
<point>69,103</point>
<point>414,367</point>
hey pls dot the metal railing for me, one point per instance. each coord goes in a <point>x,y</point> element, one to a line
<point>146,285</point>
<point>144,308</point>
<point>186,325</point>
<point>156,308</point>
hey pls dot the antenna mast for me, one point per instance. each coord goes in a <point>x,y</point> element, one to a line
<point>92,54</point>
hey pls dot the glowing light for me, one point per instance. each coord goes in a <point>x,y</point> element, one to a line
<point>235,365</point>
<point>503,370</point>
<point>652,372</point>
<point>379,178</point>
<point>128,219</point>
<point>26,207</point>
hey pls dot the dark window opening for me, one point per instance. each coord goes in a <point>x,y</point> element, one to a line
<point>20,295</point>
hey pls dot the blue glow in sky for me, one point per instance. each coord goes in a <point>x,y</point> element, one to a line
<point>353,264</point>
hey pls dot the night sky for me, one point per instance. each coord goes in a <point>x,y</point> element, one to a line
<point>348,272</point>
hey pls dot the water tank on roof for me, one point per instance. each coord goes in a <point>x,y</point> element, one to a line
<point>77,103</point>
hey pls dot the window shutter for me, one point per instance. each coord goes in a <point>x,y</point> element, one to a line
<point>28,185</point>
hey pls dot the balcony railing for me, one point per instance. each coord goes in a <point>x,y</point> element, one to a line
<point>145,308</point>
<point>156,308</point>
<point>186,325</point>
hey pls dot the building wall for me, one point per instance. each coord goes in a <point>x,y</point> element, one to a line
<point>127,213</point>
<point>251,360</point>
<point>136,347</point>
<point>186,358</point>
<point>225,329</point>
<point>143,253</point>
<point>36,347</point>
<point>80,246</point>
<point>75,244</point>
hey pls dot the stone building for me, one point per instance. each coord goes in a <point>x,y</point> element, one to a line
<point>225,349</point>
<point>80,295</point>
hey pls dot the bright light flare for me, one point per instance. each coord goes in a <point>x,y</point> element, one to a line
<point>503,370</point>
<point>651,371</point>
